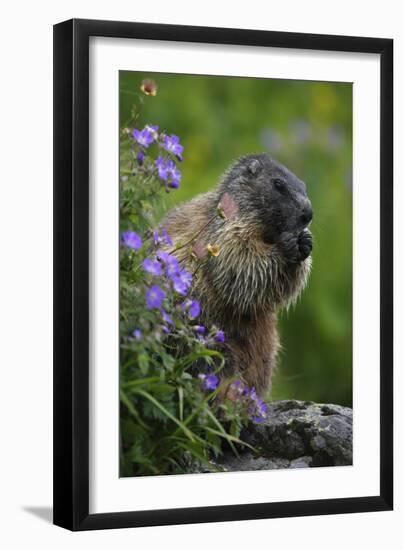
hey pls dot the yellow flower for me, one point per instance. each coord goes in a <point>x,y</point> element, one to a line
<point>149,87</point>
<point>213,250</point>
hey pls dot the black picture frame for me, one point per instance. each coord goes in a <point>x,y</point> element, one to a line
<point>71,274</point>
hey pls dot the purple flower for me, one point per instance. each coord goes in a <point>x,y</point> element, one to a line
<point>258,409</point>
<point>257,419</point>
<point>172,267</point>
<point>168,171</point>
<point>210,381</point>
<point>152,267</point>
<point>241,388</point>
<point>166,318</point>
<point>186,277</point>
<point>137,333</point>
<point>260,414</point>
<point>166,238</point>
<point>170,166</point>
<point>163,171</point>
<point>194,309</point>
<point>163,256</point>
<point>162,238</point>
<point>253,394</point>
<point>172,145</point>
<point>140,157</point>
<point>153,128</point>
<point>131,240</point>
<point>144,137</point>
<point>262,408</point>
<point>179,286</point>
<point>200,329</point>
<point>219,337</point>
<point>237,385</point>
<point>175,177</point>
<point>172,270</point>
<point>181,282</point>
<point>154,297</point>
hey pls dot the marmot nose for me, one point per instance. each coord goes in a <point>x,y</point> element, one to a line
<point>307,214</point>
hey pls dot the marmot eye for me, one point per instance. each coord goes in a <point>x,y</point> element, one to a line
<point>279,184</point>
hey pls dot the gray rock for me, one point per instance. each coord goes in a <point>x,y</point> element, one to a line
<point>296,434</point>
<point>302,462</point>
<point>247,462</point>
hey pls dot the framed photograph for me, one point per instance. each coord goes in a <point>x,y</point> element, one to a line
<point>223,274</point>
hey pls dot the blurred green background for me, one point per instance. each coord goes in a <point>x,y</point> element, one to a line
<point>308,127</point>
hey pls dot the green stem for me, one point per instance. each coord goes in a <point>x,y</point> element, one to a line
<point>194,236</point>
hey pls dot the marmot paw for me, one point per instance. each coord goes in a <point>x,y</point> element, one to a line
<point>304,244</point>
<point>296,248</point>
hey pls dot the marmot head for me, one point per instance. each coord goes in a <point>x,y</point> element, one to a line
<point>268,194</point>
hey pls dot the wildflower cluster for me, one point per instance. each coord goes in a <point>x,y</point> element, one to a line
<point>255,406</point>
<point>171,416</point>
<point>169,149</point>
<point>168,289</point>
<point>171,279</point>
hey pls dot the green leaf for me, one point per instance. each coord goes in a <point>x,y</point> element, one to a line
<point>206,354</point>
<point>140,382</point>
<point>180,424</point>
<point>168,361</point>
<point>180,395</point>
<point>230,438</point>
<point>163,388</point>
<point>222,431</point>
<point>143,362</point>
<point>129,405</point>
<point>136,454</point>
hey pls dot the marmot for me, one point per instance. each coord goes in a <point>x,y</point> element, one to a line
<point>263,261</point>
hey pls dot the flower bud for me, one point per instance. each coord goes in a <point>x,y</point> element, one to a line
<point>149,87</point>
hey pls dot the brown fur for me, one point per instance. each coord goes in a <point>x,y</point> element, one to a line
<point>240,290</point>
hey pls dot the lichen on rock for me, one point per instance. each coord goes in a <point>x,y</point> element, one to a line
<point>296,434</point>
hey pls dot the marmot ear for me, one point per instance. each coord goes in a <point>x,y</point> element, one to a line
<point>253,167</point>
